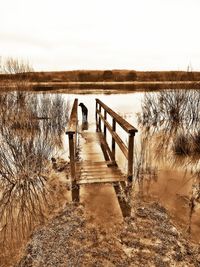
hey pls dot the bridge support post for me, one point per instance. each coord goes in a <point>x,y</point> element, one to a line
<point>72,135</point>
<point>130,169</point>
<point>75,187</point>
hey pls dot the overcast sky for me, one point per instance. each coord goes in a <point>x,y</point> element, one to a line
<point>102,34</point>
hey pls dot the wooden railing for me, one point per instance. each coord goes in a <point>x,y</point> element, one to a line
<point>72,135</point>
<point>127,127</point>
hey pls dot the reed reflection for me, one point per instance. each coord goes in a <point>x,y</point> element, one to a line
<point>31,127</point>
<point>170,123</point>
<point>172,119</point>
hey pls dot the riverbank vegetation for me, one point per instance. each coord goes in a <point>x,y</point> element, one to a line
<point>104,75</point>
<point>33,190</point>
<point>169,124</point>
<point>14,72</point>
<point>31,132</point>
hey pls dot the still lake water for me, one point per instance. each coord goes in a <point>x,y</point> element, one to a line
<point>172,184</point>
<point>165,181</point>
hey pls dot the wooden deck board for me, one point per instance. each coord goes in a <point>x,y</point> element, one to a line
<point>93,168</point>
<point>100,180</point>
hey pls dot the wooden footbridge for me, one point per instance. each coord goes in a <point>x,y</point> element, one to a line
<point>96,162</point>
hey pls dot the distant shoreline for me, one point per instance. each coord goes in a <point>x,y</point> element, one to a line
<point>103,86</point>
<point>100,80</point>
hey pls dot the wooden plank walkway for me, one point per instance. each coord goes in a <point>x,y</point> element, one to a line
<point>93,168</point>
<point>97,160</point>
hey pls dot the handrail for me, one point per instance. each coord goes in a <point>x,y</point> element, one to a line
<point>72,134</point>
<point>116,137</point>
<point>131,130</point>
<point>122,122</point>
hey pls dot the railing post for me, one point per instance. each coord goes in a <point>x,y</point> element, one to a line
<point>130,157</point>
<point>96,115</point>
<point>76,140</point>
<point>105,117</point>
<point>113,140</point>
<point>99,118</point>
<point>72,135</point>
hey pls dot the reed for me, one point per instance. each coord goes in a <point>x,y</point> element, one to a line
<point>182,145</point>
<point>31,128</point>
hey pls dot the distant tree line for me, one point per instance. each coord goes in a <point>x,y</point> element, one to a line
<point>95,75</point>
<point>107,75</point>
<point>114,75</point>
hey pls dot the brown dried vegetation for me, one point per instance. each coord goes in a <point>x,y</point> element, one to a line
<point>30,132</point>
<point>147,238</point>
<point>170,122</point>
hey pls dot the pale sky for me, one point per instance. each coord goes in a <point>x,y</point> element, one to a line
<point>102,34</point>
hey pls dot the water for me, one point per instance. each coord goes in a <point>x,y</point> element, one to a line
<point>30,129</point>
<point>166,180</point>
<point>162,177</point>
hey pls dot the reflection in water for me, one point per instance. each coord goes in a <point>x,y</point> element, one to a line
<point>167,176</point>
<point>145,169</point>
<point>85,126</point>
<point>174,118</point>
<point>31,126</point>
<point>170,123</point>
<point>30,130</point>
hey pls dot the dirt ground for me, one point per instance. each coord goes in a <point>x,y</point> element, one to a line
<point>79,235</point>
<point>147,238</point>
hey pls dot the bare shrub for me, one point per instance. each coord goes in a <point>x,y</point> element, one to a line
<point>15,66</point>
<point>182,145</point>
<point>28,125</point>
<point>171,110</point>
<point>170,121</point>
<point>169,114</point>
<point>17,71</point>
<point>145,171</point>
<point>196,142</point>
